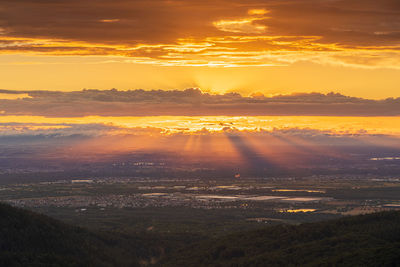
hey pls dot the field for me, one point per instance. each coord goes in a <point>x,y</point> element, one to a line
<point>203,207</point>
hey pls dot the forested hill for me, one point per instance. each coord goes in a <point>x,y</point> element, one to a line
<point>30,239</point>
<point>367,240</point>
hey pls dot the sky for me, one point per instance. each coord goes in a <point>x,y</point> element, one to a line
<point>267,47</point>
<point>201,75</point>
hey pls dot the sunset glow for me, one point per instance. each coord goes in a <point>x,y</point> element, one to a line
<point>258,82</point>
<point>218,124</point>
<point>244,46</point>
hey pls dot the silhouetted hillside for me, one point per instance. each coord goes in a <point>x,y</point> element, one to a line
<point>368,240</point>
<point>30,239</point>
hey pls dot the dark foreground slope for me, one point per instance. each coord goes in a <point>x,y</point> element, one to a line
<point>30,239</point>
<point>368,240</point>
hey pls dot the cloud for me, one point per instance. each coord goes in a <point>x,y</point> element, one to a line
<point>13,96</point>
<point>356,33</point>
<point>96,131</point>
<point>240,26</point>
<point>246,25</point>
<point>100,142</point>
<point>55,129</point>
<point>239,141</point>
<point>189,102</point>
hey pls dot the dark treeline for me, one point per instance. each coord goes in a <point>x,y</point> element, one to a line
<point>31,239</point>
<point>366,240</point>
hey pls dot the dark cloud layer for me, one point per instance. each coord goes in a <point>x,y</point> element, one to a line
<point>353,22</point>
<point>120,21</point>
<point>190,102</point>
<point>188,32</point>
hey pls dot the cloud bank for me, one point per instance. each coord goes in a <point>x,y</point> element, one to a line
<point>359,33</point>
<point>190,102</point>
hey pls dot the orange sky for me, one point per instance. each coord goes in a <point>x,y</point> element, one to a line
<point>273,47</point>
<point>199,125</point>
